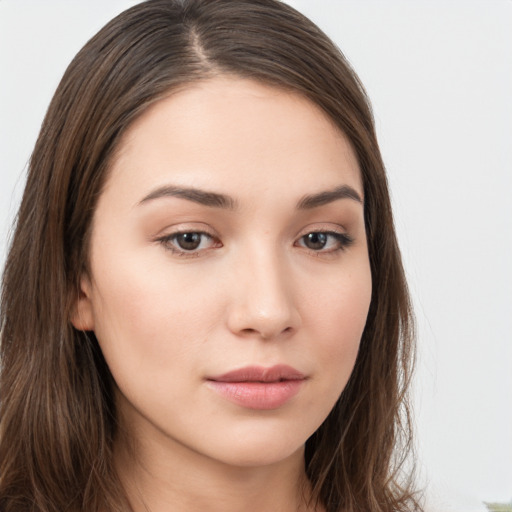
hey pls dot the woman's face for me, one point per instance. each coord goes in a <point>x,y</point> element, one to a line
<point>230,281</point>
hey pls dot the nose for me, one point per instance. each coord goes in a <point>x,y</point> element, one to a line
<point>263,303</point>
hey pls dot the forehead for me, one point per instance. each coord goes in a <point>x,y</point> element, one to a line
<point>234,132</point>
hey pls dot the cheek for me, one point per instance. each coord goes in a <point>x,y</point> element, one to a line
<point>147,319</point>
<point>339,317</point>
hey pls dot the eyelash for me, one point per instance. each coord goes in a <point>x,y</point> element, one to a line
<point>342,241</point>
<point>170,243</point>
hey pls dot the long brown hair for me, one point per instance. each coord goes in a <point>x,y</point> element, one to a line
<point>57,413</point>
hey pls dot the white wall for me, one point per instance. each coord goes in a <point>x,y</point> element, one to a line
<point>440,77</point>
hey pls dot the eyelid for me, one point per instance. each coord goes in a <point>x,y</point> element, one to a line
<point>171,233</point>
<point>344,239</point>
<point>319,227</point>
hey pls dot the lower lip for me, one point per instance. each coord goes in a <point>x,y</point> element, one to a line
<point>258,395</point>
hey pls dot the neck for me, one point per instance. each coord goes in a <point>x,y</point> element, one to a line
<point>158,480</point>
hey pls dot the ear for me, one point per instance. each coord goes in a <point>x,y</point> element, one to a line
<point>82,314</point>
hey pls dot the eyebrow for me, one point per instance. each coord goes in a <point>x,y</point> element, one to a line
<point>211,199</point>
<point>216,200</point>
<point>315,200</point>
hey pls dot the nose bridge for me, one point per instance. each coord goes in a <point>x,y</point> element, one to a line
<point>264,302</point>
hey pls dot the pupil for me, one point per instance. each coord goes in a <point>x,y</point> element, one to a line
<point>189,241</point>
<point>316,240</point>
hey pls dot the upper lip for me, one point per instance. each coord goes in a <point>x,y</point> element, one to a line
<point>277,373</point>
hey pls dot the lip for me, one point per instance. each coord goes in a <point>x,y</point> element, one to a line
<point>258,387</point>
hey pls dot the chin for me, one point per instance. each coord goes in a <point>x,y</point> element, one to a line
<point>260,448</point>
<point>254,457</point>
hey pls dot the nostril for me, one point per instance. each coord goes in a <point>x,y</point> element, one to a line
<point>276,333</point>
<point>264,333</point>
<point>266,320</point>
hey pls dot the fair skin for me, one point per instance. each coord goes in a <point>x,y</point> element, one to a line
<point>270,273</point>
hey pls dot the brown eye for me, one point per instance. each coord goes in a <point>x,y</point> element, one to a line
<point>189,241</point>
<point>325,241</point>
<point>315,241</point>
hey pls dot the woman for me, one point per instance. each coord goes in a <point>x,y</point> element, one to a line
<point>204,306</point>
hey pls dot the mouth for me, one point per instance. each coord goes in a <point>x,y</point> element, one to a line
<point>277,373</point>
<point>256,387</point>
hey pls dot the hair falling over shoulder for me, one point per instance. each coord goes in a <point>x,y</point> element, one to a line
<point>57,412</point>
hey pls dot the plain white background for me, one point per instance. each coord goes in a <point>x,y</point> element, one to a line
<point>440,78</point>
